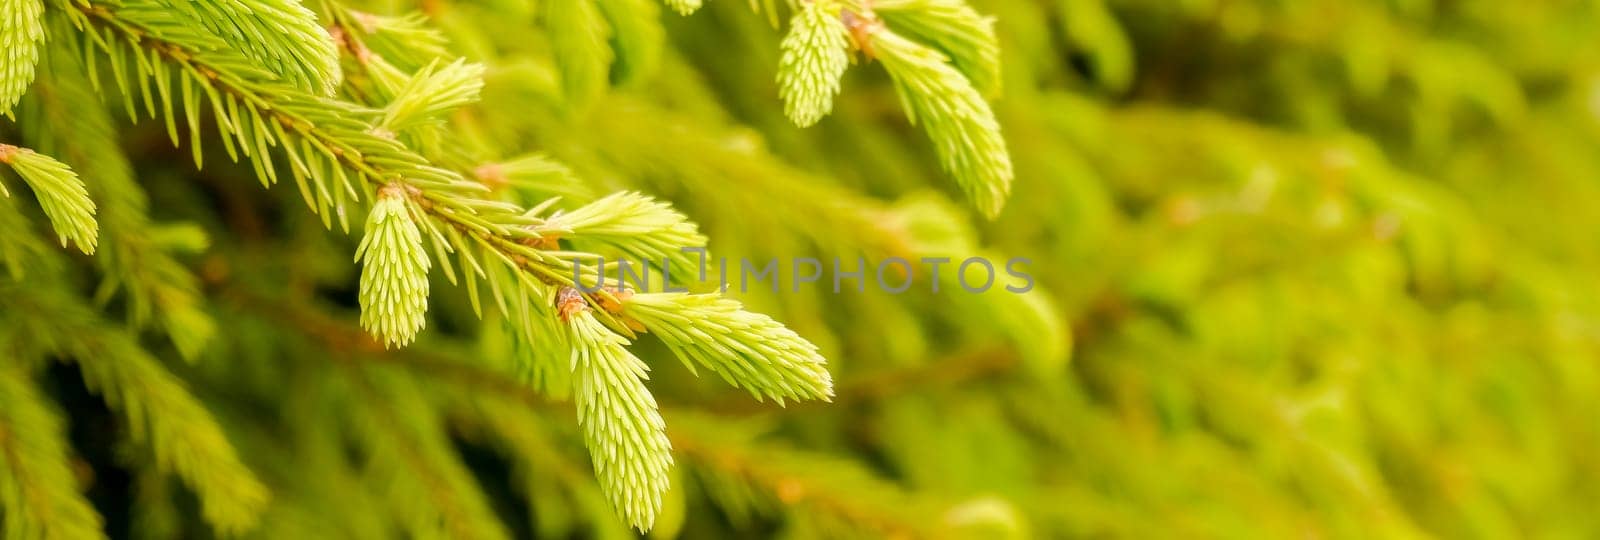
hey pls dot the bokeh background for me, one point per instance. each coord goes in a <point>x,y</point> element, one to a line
<point>1327,265</point>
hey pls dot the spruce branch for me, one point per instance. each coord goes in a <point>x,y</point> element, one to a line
<point>499,247</point>
<point>815,56</point>
<point>326,143</point>
<point>332,142</point>
<point>38,495</point>
<point>60,192</point>
<point>21,36</point>
<point>954,114</point>
<point>394,270</point>
<point>748,350</point>
<point>626,437</point>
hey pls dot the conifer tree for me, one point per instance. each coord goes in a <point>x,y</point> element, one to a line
<point>985,268</point>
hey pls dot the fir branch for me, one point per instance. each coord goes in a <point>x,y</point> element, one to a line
<point>326,142</point>
<point>815,56</point>
<point>626,437</point>
<point>21,35</point>
<point>748,350</point>
<point>38,498</point>
<point>966,37</point>
<point>61,194</point>
<point>954,114</point>
<point>394,270</point>
<point>509,410</point>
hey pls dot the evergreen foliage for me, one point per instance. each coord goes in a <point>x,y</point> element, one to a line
<point>1317,268</point>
